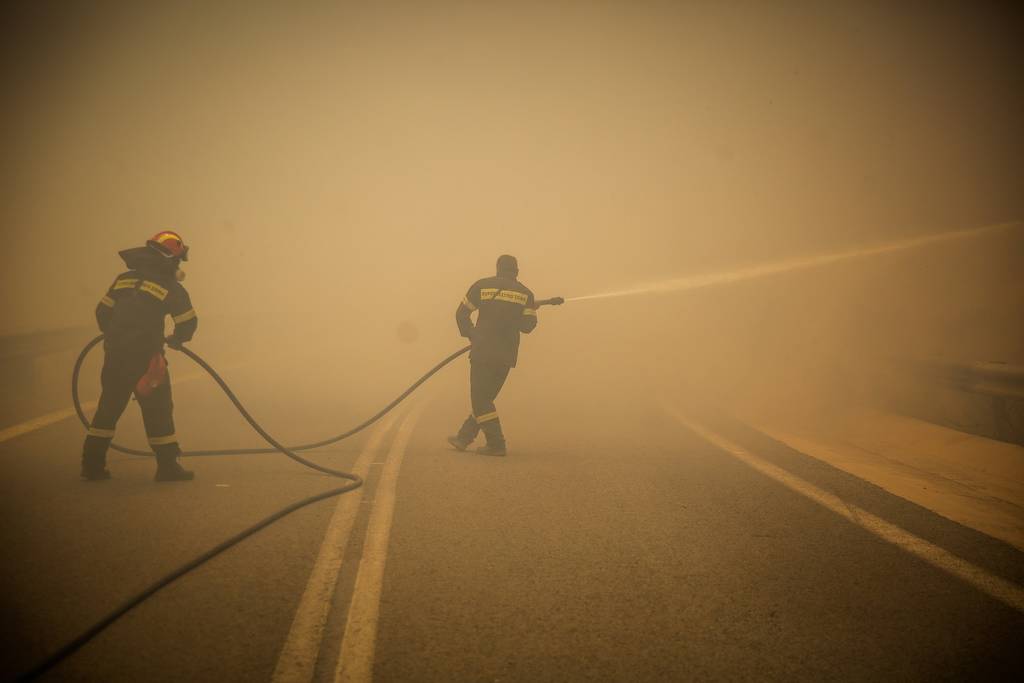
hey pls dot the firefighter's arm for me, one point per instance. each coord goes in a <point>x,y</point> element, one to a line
<point>528,320</point>
<point>105,310</point>
<point>469,303</point>
<point>184,317</point>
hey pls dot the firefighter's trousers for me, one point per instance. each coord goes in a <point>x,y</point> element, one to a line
<point>485,381</point>
<point>121,371</point>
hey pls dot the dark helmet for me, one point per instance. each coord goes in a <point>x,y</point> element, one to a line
<point>169,244</point>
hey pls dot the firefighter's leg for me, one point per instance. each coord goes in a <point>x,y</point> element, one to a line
<point>486,382</point>
<point>116,381</point>
<point>470,428</point>
<point>158,416</point>
<point>467,432</point>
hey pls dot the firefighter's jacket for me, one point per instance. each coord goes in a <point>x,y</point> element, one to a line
<point>505,308</point>
<point>131,314</point>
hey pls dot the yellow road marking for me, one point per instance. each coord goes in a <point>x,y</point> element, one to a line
<point>355,662</point>
<point>994,586</point>
<point>297,660</point>
<point>42,421</point>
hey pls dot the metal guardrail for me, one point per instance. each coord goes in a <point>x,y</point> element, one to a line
<point>989,378</point>
<point>997,407</point>
<point>15,348</point>
<point>28,345</point>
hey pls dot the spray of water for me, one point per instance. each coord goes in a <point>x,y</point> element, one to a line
<point>789,265</point>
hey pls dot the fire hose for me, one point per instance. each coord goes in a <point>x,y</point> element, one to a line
<point>354,482</point>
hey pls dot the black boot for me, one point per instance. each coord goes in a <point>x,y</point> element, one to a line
<point>92,472</point>
<point>467,432</point>
<point>168,469</point>
<point>94,464</point>
<point>457,443</point>
<point>495,439</point>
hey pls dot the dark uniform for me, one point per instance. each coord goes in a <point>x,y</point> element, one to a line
<point>505,308</point>
<point>131,316</point>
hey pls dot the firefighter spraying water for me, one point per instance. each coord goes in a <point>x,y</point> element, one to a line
<point>505,308</point>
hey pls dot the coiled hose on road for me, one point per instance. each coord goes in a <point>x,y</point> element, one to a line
<point>355,481</point>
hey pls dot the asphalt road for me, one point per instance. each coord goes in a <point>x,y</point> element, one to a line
<point>612,544</point>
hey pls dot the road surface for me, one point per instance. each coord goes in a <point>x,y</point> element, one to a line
<point>618,541</point>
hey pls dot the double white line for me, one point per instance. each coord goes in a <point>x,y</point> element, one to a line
<point>298,658</point>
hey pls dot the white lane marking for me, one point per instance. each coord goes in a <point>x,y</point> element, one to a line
<point>994,586</point>
<point>355,661</point>
<point>297,660</point>
<point>37,423</point>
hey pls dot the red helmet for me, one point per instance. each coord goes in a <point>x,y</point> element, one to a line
<point>169,243</point>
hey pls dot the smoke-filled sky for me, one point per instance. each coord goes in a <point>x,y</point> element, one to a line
<point>344,166</point>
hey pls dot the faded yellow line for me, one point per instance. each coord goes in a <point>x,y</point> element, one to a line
<point>297,661</point>
<point>355,662</point>
<point>1006,592</point>
<point>42,421</point>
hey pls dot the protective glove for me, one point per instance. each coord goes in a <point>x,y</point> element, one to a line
<point>173,342</point>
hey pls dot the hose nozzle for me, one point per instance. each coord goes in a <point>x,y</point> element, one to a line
<point>553,301</point>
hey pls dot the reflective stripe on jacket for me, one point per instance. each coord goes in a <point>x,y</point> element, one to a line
<point>131,314</point>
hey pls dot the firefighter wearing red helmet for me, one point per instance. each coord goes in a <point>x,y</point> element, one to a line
<point>131,316</point>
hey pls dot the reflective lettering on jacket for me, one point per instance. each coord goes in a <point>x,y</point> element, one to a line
<point>505,309</point>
